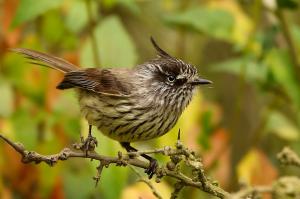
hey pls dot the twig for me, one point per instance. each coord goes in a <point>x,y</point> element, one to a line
<point>180,152</point>
<point>99,171</point>
<point>251,192</point>
<point>147,182</point>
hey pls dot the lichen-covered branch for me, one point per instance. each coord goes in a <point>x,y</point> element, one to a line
<point>251,192</point>
<point>170,169</point>
<point>288,157</point>
<point>284,186</point>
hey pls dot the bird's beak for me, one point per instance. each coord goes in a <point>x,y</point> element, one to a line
<point>199,81</point>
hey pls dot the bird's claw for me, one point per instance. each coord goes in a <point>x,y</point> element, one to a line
<point>151,170</point>
<point>89,144</point>
<point>86,145</point>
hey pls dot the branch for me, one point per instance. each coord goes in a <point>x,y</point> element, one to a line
<point>171,169</point>
<point>178,154</point>
<point>288,157</point>
<point>251,192</point>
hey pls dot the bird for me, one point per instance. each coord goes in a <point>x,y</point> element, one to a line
<point>128,104</point>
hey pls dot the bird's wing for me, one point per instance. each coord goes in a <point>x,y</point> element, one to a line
<point>105,81</point>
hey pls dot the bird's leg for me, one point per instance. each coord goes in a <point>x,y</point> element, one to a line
<point>87,144</point>
<point>153,162</point>
<point>90,142</point>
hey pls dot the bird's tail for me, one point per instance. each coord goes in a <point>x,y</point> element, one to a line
<point>43,59</point>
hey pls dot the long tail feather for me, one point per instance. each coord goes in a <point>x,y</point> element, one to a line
<point>46,60</point>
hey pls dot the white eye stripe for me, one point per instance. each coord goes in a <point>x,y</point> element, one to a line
<point>159,68</point>
<point>181,76</point>
<point>185,70</point>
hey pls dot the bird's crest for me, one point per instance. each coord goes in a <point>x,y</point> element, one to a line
<point>161,52</point>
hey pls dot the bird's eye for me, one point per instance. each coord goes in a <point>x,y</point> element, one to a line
<point>171,78</point>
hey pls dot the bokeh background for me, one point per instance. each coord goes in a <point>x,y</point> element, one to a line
<point>248,48</point>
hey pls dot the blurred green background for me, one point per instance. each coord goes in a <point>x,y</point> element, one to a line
<point>248,48</point>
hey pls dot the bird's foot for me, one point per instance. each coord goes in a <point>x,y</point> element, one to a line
<point>88,144</point>
<point>153,165</point>
<point>151,170</point>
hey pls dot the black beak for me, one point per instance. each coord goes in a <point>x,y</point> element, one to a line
<point>199,81</point>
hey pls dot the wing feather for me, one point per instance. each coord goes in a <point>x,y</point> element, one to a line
<point>96,80</point>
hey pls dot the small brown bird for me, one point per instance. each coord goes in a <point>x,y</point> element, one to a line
<point>129,105</point>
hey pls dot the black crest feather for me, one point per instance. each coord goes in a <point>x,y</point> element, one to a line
<point>161,52</point>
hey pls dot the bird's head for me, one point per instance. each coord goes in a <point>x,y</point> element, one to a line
<point>173,72</point>
<point>169,76</point>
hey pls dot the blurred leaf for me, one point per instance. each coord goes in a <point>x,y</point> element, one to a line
<point>255,168</point>
<point>48,177</point>
<point>14,68</point>
<point>289,4</point>
<point>70,118</point>
<point>6,99</point>
<point>280,66</point>
<point>250,68</point>
<point>71,126</point>
<point>243,26</point>
<point>116,48</point>
<point>218,157</point>
<point>53,21</point>
<point>131,5</point>
<point>109,3</point>
<point>30,80</point>
<point>115,177</point>
<point>77,13</point>
<point>214,22</point>
<point>25,128</point>
<point>295,30</point>
<point>78,183</point>
<point>267,37</point>
<point>280,125</point>
<point>67,101</point>
<point>30,9</point>
<point>207,129</point>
